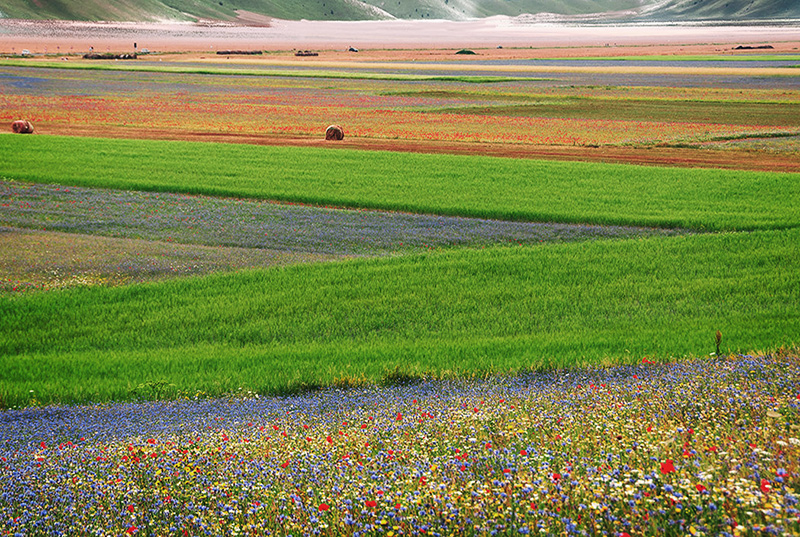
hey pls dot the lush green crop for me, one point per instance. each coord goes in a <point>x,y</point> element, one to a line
<point>443,184</point>
<point>459,312</point>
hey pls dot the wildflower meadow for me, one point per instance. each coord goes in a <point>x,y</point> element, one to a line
<point>702,447</point>
<point>215,322</point>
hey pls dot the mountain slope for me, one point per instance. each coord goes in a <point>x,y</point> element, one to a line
<point>154,10</point>
<point>149,10</point>
<point>462,9</point>
<point>118,10</point>
<point>722,10</point>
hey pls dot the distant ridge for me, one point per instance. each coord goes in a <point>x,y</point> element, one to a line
<point>247,11</point>
<point>722,10</point>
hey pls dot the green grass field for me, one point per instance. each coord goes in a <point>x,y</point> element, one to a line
<point>512,189</point>
<point>459,312</point>
<point>441,313</point>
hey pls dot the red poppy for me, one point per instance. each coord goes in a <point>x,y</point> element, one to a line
<point>130,508</point>
<point>131,530</point>
<point>371,504</point>
<point>399,417</point>
<point>700,488</point>
<point>523,452</point>
<point>766,488</point>
<point>285,464</point>
<point>667,467</point>
<point>556,477</point>
<point>324,507</point>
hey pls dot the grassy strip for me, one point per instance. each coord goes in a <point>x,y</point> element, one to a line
<point>457,68</point>
<point>594,94</point>
<point>301,72</point>
<point>717,112</point>
<point>510,189</point>
<point>459,312</point>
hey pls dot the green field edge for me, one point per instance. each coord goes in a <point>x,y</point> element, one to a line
<point>452,313</point>
<point>164,388</point>
<point>470,186</point>
<point>550,98</point>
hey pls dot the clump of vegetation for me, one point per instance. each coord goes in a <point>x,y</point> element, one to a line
<point>109,56</point>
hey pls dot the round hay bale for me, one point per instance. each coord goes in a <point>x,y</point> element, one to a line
<point>334,132</point>
<point>22,126</point>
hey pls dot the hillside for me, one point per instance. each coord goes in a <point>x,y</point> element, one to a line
<point>634,10</point>
<point>187,10</point>
<point>665,10</point>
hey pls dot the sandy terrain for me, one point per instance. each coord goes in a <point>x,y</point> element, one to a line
<point>259,33</point>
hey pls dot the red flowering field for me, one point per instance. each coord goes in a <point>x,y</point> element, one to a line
<point>492,110</point>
